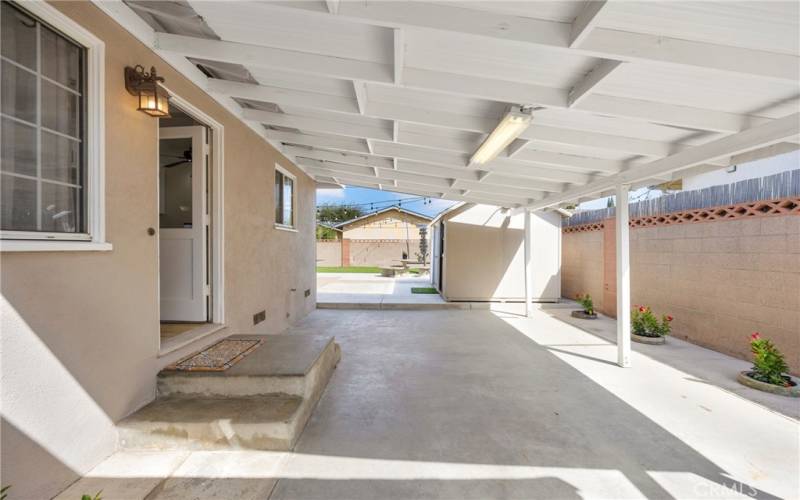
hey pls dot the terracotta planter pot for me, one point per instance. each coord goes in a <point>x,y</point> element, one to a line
<point>744,378</point>
<point>583,315</point>
<point>648,340</point>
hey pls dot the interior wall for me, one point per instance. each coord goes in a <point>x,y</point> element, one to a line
<point>80,330</point>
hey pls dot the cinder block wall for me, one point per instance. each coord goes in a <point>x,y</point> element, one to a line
<point>381,252</point>
<point>582,265</point>
<point>329,253</point>
<point>721,280</point>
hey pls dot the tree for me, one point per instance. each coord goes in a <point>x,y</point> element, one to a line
<point>332,214</point>
<point>610,202</point>
<point>326,233</point>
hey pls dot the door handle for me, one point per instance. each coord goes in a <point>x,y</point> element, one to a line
<point>151,231</point>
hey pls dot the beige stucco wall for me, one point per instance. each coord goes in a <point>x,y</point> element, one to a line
<point>80,329</point>
<point>721,280</point>
<point>329,253</point>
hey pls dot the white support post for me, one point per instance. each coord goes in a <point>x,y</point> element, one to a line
<point>623,278</point>
<point>528,266</point>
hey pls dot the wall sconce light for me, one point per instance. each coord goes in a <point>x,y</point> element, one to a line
<point>153,99</point>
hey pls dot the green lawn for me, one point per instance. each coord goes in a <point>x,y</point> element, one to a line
<point>367,270</point>
<point>427,290</point>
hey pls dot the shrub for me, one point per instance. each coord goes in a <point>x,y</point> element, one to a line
<point>768,362</point>
<point>646,324</point>
<point>585,300</point>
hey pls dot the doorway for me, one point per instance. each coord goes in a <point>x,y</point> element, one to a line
<point>186,232</point>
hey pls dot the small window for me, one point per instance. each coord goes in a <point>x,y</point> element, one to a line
<point>284,198</point>
<point>43,154</point>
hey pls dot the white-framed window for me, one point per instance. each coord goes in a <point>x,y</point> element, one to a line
<point>284,198</point>
<point>51,131</point>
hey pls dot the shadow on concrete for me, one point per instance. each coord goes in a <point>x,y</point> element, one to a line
<point>468,388</point>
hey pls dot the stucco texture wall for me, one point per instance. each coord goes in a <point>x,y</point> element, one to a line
<point>721,280</point>
<point>80,330</point>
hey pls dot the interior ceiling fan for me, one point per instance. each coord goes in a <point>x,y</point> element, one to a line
<point>185,158</point>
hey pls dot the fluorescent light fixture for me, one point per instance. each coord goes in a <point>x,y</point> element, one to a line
<point>515,121</point>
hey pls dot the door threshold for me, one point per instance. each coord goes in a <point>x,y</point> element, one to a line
<point>180,341</point>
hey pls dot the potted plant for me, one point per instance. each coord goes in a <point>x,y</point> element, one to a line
<point>768,369</point>
<point>585,300</point>
<point>647,328</point>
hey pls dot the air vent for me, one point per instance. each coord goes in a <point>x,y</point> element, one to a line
<point>259,317</point>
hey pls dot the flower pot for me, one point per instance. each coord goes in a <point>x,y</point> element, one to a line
<point>642,339</point>
<point>583,315</point>
<point>793,391</point>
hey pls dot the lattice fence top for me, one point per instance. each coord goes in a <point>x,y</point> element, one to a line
<point>785,206</point>
<point>776,187</point>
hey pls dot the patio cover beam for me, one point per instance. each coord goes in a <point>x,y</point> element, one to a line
<point>599,42</point>
<point>480,87</point>
<point>764,135</point>
<point>620,107</point>
<point>546,179</point>
<point>622,231</point>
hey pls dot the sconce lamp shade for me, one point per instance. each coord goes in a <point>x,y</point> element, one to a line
<point>153,99</point>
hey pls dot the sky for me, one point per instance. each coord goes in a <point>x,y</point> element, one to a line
<point>374,199</point>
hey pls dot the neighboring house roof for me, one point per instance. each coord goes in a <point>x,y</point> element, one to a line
<point>329,226</point>
<point>378,212</point>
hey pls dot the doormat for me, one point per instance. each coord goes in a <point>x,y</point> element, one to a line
<point>218,357</point>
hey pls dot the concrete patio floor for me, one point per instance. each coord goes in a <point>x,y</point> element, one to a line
<point>372,290</point>
<point>490,404</point>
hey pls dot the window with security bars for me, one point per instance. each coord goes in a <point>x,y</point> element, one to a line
<point>43,168</point>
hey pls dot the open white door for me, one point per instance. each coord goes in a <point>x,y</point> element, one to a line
<point>183,153</point>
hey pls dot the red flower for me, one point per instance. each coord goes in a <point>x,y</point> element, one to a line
<point>755,336</point>
<point>669,318</point>
<point>642,309</point>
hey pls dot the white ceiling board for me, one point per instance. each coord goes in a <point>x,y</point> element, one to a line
<point>468,55</point>
<point>452,103</point>
<point>562,11</point>
<point>262,24</point>
<point>767,25</point>
<point>320,140</point>
<point>349,118</point>
<point>566,118</point>
<point>580,150</point>
<point>300,81</point>
<point>692,87</point>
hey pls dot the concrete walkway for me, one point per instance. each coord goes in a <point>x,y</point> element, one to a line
<point>489,404</point>
<point>361,290</point>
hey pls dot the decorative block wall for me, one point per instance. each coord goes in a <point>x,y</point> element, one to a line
<point>722,272</point>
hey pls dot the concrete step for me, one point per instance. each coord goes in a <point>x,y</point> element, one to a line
<point>262,402</point>
<point>258,423</point>
<point>293,365</point>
